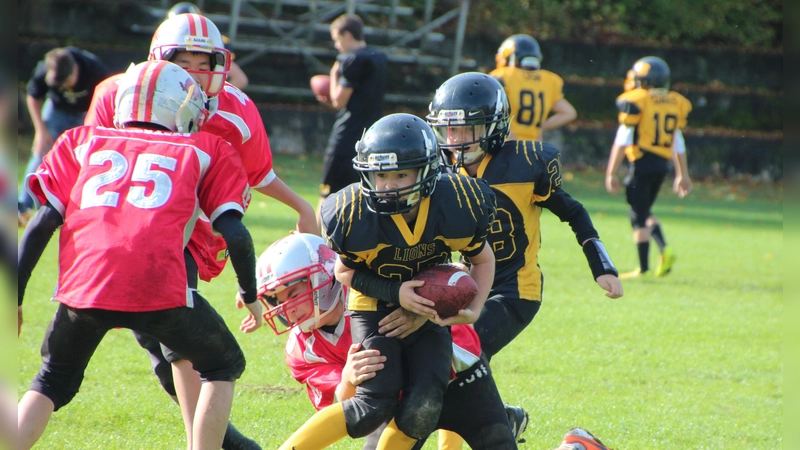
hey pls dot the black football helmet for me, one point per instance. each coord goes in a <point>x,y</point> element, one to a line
<point>476,103</point>
<point>651,72</point>
<point>519,50</point>
<point>183,8</point>
<point>397,142</point>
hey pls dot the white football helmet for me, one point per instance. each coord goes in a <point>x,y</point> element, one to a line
<point>298,258</point>
<point>161,93</point>
<point>193,33</point>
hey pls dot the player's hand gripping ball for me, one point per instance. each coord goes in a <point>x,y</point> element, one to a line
<point>448,286</point>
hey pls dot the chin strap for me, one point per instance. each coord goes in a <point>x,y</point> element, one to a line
<point>599,261</point>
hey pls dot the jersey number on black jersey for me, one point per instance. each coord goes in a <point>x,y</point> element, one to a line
<point>527,107</point>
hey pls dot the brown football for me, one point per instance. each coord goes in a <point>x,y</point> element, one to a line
<point>448,286</point>
<point>321,85</point>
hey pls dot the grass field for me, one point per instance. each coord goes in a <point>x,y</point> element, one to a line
<point>691,361</point>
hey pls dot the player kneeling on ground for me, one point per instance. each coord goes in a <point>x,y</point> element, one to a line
<point>296,280</point>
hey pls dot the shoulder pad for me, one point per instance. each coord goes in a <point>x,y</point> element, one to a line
<point>549,180</point>
<point>338,212</point>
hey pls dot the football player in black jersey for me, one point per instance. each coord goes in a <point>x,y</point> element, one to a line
<point>470,115</point>
<point>403,216</point>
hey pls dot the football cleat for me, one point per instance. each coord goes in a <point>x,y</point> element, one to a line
<point>518,419</point>
<point>580,439</point>
<point>667,261</point>
<point>636,273</point>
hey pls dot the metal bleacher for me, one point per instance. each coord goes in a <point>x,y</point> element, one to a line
<point>261,31</point>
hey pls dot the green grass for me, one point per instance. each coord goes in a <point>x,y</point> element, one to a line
<point>691,361</point>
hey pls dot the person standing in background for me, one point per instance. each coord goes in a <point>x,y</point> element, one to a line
<point>358,83</point>
<point>58,95</point>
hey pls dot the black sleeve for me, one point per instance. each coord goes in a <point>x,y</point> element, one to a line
<point>353,69</point>
<point>627,107</point>
<point>572,211</point>
<point>36,87</point>
<point>34,240</point>
<point>242,253</point>
<point>369,283</point>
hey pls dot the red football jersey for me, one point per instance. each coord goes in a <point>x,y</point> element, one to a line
<point>317,359</point>
<point>129,199</point>
<point>235,118</point>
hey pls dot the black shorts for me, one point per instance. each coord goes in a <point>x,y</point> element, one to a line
<point>419,365</point>
<point>161,357</point>
<point>484,427</point>
<point>642,186</point>
<point>198,333</point>
<point>337,170</point>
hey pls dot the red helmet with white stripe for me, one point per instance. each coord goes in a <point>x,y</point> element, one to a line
<point>162,93</point>
<point>193,33</point>
<point>298,258</point>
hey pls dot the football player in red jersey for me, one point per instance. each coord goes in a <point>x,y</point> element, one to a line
<point>193,42</point>
<point>123,199</point>
<point>296,281</point>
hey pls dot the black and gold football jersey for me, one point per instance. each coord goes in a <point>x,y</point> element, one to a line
<point>656,114</point>
<point>456,217</point>
<point>526,176</point>
<point>531,96</point>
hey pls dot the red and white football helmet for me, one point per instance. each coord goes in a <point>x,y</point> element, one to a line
<point>298,258</point>
<point>162,93</point>
<point>193,33</point>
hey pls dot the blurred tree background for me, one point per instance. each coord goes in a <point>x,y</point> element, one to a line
<point>743,24</point>
<point>726,57</point>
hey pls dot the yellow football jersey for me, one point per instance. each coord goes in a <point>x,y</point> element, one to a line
<point>531,95</point>
<point>656,114</point>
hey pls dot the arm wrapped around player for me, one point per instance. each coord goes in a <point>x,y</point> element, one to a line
<point>598,258</point>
